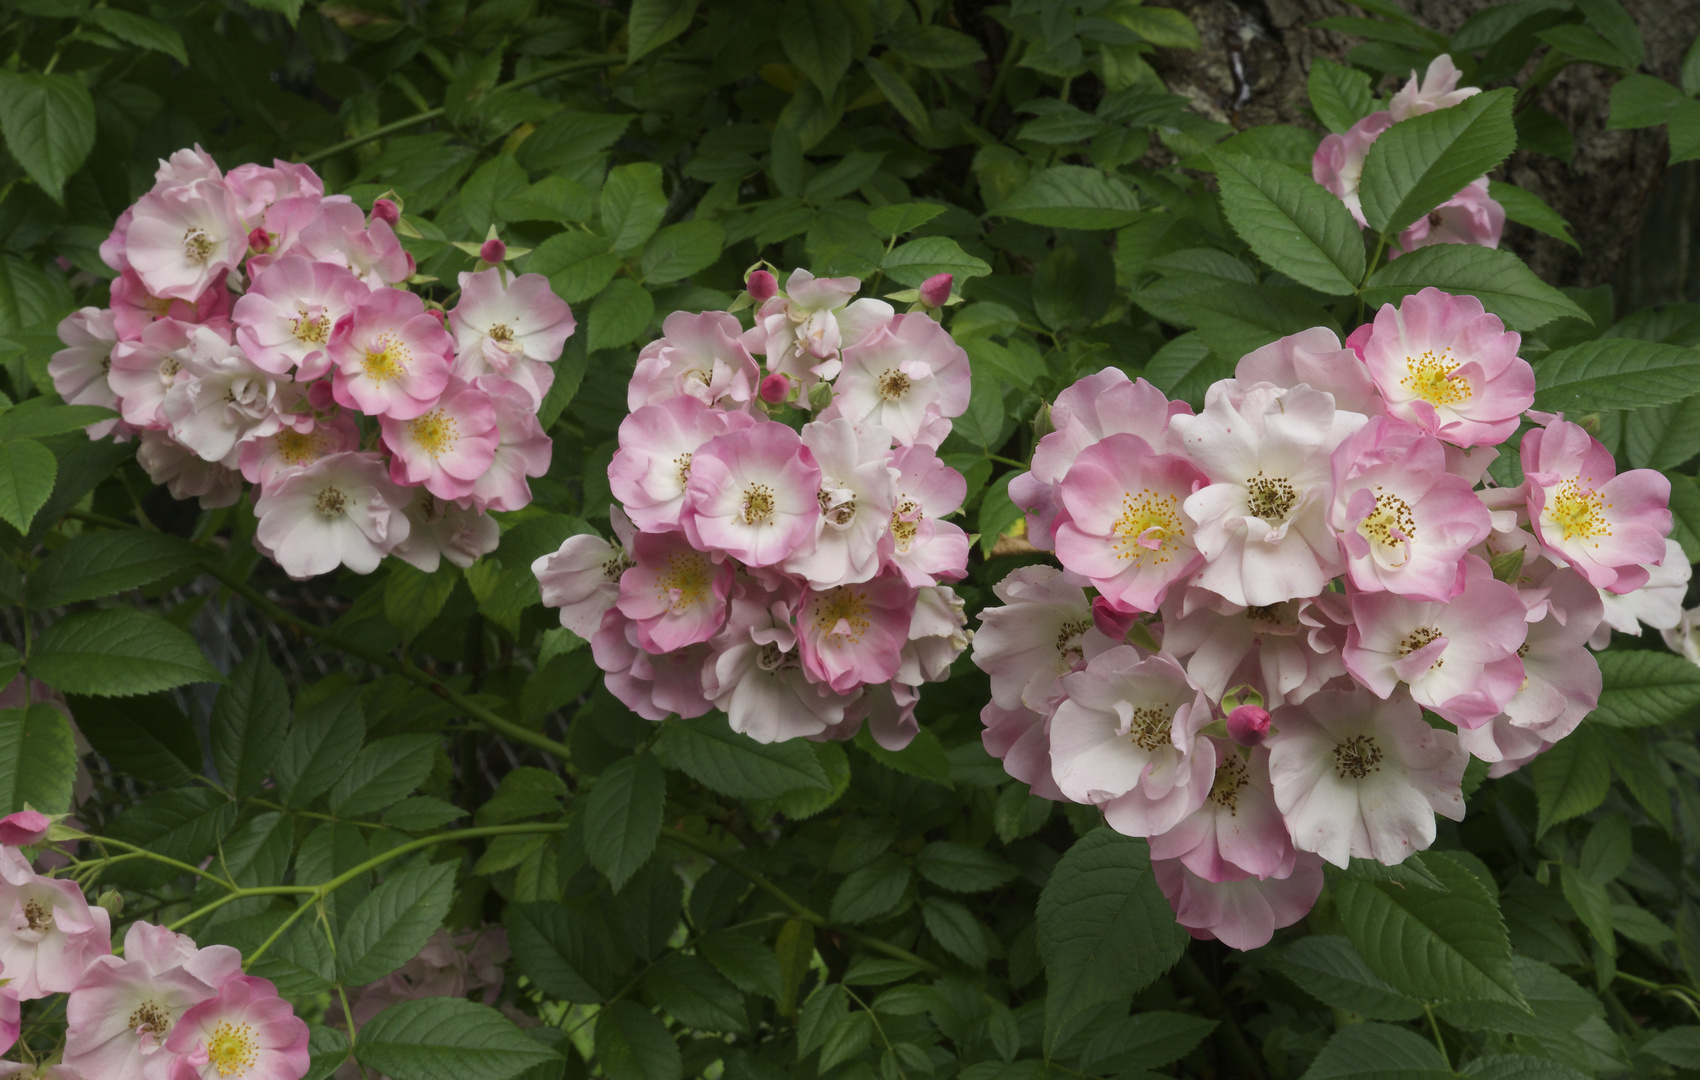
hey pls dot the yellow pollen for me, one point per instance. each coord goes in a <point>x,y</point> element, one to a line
<point>311,331</point>
<point>1231,775</point>
<point>501,334</point>
<point>38,915</point>
<point>893,384</point>
<point>1430,378</point>
<point>386,358</point>
<point>1357,757</point>
<point>840,514</point>
<point>169,367</point>
<point>902,530</point>
<point>151,1018</point>
<point>1069,649</point>
<point>233,1049</point>
<point>686,579</point>
<point>758,505</point>
<point>298,449</point>
<point>1150,525</point>
<point>436,432</point>
<point>846,605</point>
<point>1580,512</point>
<point>157,306</point>
<point>682,468</point>
<point>197,245</point>
<point>1272,615</point>
<point>1391,523</point>
<point>1419,638</point>
<point>331,502</point>
<point>1269,497</point>
<point>1152,728</point>
<point>614,567</point>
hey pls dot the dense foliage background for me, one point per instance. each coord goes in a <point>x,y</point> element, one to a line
<point>680,901</point>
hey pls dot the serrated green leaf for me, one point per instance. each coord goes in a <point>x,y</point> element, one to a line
<point>383,773</point>
<point>1294,224</point>
<point>619,315</point>
<point>1235,319</point>
<point>27,472</point>
<point>564,950</point>
<point>1515,1067</point>
<point>1378,1052</point>
<point>899,93</point>
<point>1146,1040</point>
<point>147,736</point>
<point>734,764</point>
<point>181,823</point>
<point>1571,778</point>
<point>320,747</point>
<point>48,121</point>
<point>1663,436</point>
<point>751,966</point>
<point>41,417</point>
<point>250,720</point>
<point>817,37</point>
<point>1679,1046</point>
<point>956,930</point>
<point>1420,163</point>
<point>117,652</point>
<point>915,262</point>
<point>962,868</point>
<point>1499,279</point>
<point>900,218</point>
<point>578,264</point>
<point>694,994</point>
<point>678,251</point>
<point>632,1044</point>
<point>1615,373</point>
<point>622,817</point>
<point>1685,514</point>
<point>38,760</point>
<point>98,564</point>
<point>937,47</point>
<point>653,23</point>
<point>1526,208</point>
<point>632,205</point>
<point>1071,197</point>
<point>1340,95</point>
<point>422,813</point>
<point>448,1038</point>
<point>924,757</point>
<point>871,892</point>
<point>141,31</point>
<point>413,598</point>
<point>1330,970</point>
<point>1644,689</point>
<point>390,926</point>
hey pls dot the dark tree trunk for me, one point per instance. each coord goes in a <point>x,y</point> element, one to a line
<point>1633,217</point>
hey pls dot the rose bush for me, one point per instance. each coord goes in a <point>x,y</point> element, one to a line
<point>673,539</point>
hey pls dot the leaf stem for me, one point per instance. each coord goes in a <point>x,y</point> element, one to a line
<point>1439,1043</point>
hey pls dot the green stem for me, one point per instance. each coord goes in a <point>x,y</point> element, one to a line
<point>240,894</point>
<point>794,906</point>
<point>1439,1043</point>
<point>146,854</point>
<point>1000,459</point>
<point>586,64</point>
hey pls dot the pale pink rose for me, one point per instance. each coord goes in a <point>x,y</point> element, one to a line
<point>285,318</point>
<point>219,398</point>
<point>889,711</point>
<point>341,510</point>
<point>338,233</point>
<point>1359,777</point>
<point>1283,649</point>
<point>1044,631</point>
<point>1020,738</point>
<point>1438,90</point>
<point>803,331</point>
<point>112,249</point>
<point>24,828</point>
<point>651,686</point>
<point>1684,638</point>
<point>185,473</point>
<point>1127,735</point>
<point>391,356</point>
<point>1605,525</point>
<point>1470,217</point>
<point>1238,830</point>
<point>1262,521</point>
<point>440,529</point>
<point>183,238</point>
<point>446,449</point>
<point>119,1015</point>
<point>1097,406</point>
<point>246,1029</point>
<point>1404,521</point>
<point>752,494</point>
<point>1124,528</point>
<point>1338,164</point>
<point>13,1070</point>
<point>938,634</point>
<point>657,441</point>
<point>507,330</point>
<point>1315,358</point>
<point>133,307</point>
<point>1242,913</point>
<point>79,369</point>
<point>522,449</point>
<point>256,187</point>
<point>756,676</point>
<point>855,634</point>
<point>582,579</point>
<point>699,355</point>
<point>1657,604</point>
<point>141,371</point>
<point>1446,365</point>
<point>902,378</point>
<point>285,220</point>
<point>855,499</point>
<point>674,594</point>
<point>290,448</point>
<point>10,1018</point>
<point>925,547</point>
<point>185,166</point>
<point>51,933</point>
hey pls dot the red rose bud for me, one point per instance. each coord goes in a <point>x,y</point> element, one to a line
<point>23,828</point>
<point>493,252</point>
<point>762,286</point>
<point>319,395</point>
<point>1248,725</point>
<point>387,211</point>
<point>935,291</point>
<point>775,388</point>
<point>259,240</point>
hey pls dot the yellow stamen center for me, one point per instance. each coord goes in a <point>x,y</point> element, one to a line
<point>151,1018</point>
<point>331,502</point>
<point>686,579</point>
<point>1580,512</point>
<point>1269,497</point>
<point>436,432</point>
<point>893,384</point>
<point>1152,727</point>
<point>1069,650</point>
<point>1391,524</point>
<point>311,331</point>
<point>841,615</point>
<point>1419,638</point>
<point>233,1049</point>
<point>1357,757</point>
<point>386,358</point>
<point>1150,525</point>
<point>197,245</point>
<point>298,449</point>
<point>1430,378</point>
<point>38,915</point>
<point>905,519</point>
<point>758,505</point>
<point>1231,775</point>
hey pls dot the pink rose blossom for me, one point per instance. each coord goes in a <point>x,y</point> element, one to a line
<point>290,448</point>
<point>51,933</point>
<point>337,232</point>
<point>285,318</point>
<point>1044,632</point>
<point>1586,515</point>
<point>803,331</point>
<point>182,239</point>
<point>756,674</point>
<point>391,356</point>
<point>1470,217</point>
<point>448,448</point>
<point>582,578</point>
<point>1438,90</point>
<point>1358,777</point>
<point>1020,738</point>
<point>257,186</point>
<point>1338,164</point>
<point>245,1029</point>
<point>903,378</point>
<point>79,369</point>
<point>11,1023</point>
<point>938,634</point>
<point>674,594</point>
<point>1657,604</point>
<point>1262,521</point>
<point>185,473</point>
<point>1283,649</point>
<point>1238,830</point>
<point>752,494</point>
<point>341,510</point>
<point>440,529</point>
<point>657,442</point>
<point>143,370</point>
<point>1242,913</point>
<point>651,686</point>
<point>1446,365</point>
<point>926,548</point>
<point>24,828</point>
<point>1316,358</point>
<point>1125,530</point>
<point>121,1012</point>
<point>220,399</point>
<point>855,502</point>
<point>855,634</point>
<point>509,331</point>
<point>701,356</point>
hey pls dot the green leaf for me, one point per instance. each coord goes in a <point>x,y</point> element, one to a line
<point>622,817</point>
<point>289,9</point>
<point>1104,929</point>
<point>848,1038</point>
<point>1378,1052</point>
<point>1584,44</point>
<point>872,892</point>
<point>141,31</point>
<point>1514,1067</point>
<point>1614,24</point>
<point>1557,1006</point>
<point>117,652</point>
<point>1592,905</point>
<point>98,564</point>
<point>38,760</point>
<point>751,966</point>
<point>817,37</point>
<point>1644,689</point>
<point>413,598</point>
<point>250,720</point>
<point>180,823</point>
<point>321,746</point>
<point>900,218</point>
<point>1615,373</point>
<point>821,1013</point>
<point>653,23</point>
<point>392,924</point>
<point>1640,101</point>
<point>328,1049</point>
<point>1294,224</point>
<point>41,417</point>
<point>1165,28</point>
<point>48,121</point>
<point>1185,367</point>
<point>632,205</point>
<point>578,264</point>
<point>924,757</point>
<point>734,764</point>
<point>1663,436</point>
<point>148,736</point>
<point>632,1044</point>
<point>564,950</point>
<point>1679,1046</point>
<point>1431,945</point>
<point>956,930</point>
<point>678,251</point>
<point>383,773</point>
<point>694,994</point>
<point>1071,197</point>
<point>1500,280</point>
<point>962,868</point>
<point>27,472</point>
<point>1340,95</point>
<point>937,47</point>
<point>447,1038</point>
<point>1571,778</point>
<point>1685,514</point>
<point>899,93</point>
<point>1234,319</point>
<point>1526,208</point>
<point>1327,968</point>
<point>620,314</point>
<point>422,813</point>
<point>915,262</point>
<point>1425,160</point>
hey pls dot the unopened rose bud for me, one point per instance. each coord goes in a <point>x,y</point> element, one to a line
<point>820,396</point>
<point>442,317</point>
<point>113,901</point>
<point>259,240</point>
<point>1112,623</point>
<point>762,286</point>
<point>387,211</point>
<point>935,291</point>
<point>23,828</point>
<point>775,388</point>
<point>319,395</point>
<point>412,267</point>
<point>1248,725</point>
<point>493,252</point>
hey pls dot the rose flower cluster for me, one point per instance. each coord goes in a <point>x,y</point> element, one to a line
<point>164,1010</point>
<point>781,539</point>
<point>261,330</point>
<point>1258,603</point>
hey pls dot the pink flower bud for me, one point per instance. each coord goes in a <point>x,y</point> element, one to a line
<point>1113,622</point>
<point>259,240</point>
<point>319,394</point>
<point>387,211</point>
<point>775,388</point>
<point>935,291</point>
<point>23,828</point>
<point>493,252</point>
<point>1248,725</point>
<point>412,267</point>
<point>762,286</point>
